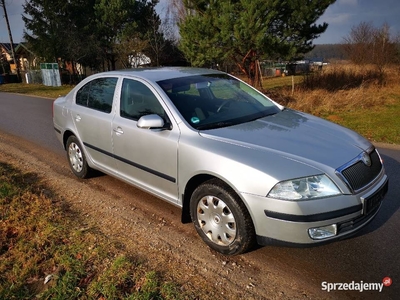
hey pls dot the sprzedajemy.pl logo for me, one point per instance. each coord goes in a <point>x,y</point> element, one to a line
<point>356,286</point>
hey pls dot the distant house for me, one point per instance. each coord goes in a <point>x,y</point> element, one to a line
<point>7,63</point>
<point>27,59</point>
<point>298,67</point>
<point>30,71</point>
<point>139,60</point>
<point>24,57</point>
<point>8,68</point>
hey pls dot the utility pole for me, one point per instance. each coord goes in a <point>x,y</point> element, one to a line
<point>11,40</point>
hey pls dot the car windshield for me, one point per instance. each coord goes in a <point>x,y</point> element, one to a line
<point>213,101</point>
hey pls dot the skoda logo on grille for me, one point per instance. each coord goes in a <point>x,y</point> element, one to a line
<point>366,159</point>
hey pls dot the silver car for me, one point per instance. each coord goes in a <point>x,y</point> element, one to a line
<point>243,168</point>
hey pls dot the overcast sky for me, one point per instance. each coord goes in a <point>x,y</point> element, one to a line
<point>341,17</point>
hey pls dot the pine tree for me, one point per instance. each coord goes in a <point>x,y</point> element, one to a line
<point>45,23</point>
<point>61,30</point>
<point>89,32</point>
<point>246,31</point>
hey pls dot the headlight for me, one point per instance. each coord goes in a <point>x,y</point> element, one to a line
<point>305,188</point>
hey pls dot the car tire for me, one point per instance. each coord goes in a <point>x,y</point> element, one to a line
<point>76,158</point>
<point>221,218</point>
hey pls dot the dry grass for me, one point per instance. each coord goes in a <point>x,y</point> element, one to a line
<point>48,251</point>
<point>343,77</point>
<point>341,88</point>
<point>364,99</point>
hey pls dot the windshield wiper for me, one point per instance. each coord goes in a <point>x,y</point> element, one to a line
<point>262,116</point>
<point>215,125</point>
<point>236,121</point>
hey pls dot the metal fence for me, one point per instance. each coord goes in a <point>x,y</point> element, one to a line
<point>36,77</point>
<point>50,74</point>
<point>33,77</point>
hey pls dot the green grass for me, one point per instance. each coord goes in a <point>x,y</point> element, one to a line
<point>277,82</point>
<point>381,124</point>
<point>36,89</point>
<point>41,236</point>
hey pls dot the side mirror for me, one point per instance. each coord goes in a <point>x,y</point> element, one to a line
<point>151,122</point>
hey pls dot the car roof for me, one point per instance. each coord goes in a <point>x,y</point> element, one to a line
<point>158,74</point>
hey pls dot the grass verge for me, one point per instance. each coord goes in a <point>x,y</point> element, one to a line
<point>47,251</point>
<point>36,89</point>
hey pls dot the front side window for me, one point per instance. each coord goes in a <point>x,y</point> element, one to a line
<point>138,100</point>
<point>98,94</point>
<point>212,101</point>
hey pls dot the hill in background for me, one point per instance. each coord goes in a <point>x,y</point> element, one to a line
<point>327,53</point>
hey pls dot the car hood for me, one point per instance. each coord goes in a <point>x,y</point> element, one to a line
<point>297,136</point>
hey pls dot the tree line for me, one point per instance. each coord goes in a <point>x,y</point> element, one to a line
<point>98,33</point>
<point>367,44</point>
<point>364,45</point>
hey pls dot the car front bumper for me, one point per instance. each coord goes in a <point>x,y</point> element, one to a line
<point>295,222</point>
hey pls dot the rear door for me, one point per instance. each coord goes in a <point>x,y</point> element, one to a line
<point>92,114</point>
<point>145,157</point>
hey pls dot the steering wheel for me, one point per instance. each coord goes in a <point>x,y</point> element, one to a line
<point>223,104</point>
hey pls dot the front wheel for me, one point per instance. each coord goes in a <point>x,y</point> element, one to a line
<point>221,218</point>
<point>76,158</point>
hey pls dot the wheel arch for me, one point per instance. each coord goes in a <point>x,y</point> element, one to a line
<point>66,135</point>
<point>192,184</point>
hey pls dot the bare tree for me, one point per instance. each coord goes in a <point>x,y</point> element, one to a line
<point>358,43</point>
<point>383,49</point>
<point>366,44</point>
<point>176,10</point>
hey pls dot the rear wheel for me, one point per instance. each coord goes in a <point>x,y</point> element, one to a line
<point>221,218</point>
<point>77,159</point>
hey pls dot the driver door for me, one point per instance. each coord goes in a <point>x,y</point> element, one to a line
<point>145,157</point>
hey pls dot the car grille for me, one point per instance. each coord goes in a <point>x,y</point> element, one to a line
<point>359,175</point>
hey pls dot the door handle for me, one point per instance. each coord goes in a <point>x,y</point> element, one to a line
<point>78,118</point>
<point>118,131</point>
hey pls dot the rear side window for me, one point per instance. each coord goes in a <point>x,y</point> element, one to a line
<point>97,94</point>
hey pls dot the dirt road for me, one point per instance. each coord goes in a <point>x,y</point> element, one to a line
<point>151,230</point>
